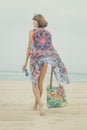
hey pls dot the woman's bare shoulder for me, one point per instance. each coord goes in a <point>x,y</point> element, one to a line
<point>30,35</point>
<point>48,31</point>
<point>30,31</point>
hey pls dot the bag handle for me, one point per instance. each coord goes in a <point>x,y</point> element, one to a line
<point>51,77</point>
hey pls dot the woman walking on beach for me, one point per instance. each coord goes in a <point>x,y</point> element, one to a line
<point>42,52</point>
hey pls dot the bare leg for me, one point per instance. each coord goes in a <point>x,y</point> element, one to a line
<point>37,92</point>
<point>38,89</point>
<point>43,71</point>
<point>36,100</point>
<point>34,92</point>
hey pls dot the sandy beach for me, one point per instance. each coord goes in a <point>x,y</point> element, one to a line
<point>16,113</point>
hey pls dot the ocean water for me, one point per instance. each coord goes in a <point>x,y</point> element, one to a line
<point>20,75</point>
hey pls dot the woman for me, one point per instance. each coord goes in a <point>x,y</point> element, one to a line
<point>42,52</point>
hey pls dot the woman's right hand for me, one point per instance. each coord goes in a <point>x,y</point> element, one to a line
<point>24,66</point>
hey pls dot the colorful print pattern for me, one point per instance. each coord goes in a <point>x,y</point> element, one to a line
<point>43,51</point>
<point>56,97</point>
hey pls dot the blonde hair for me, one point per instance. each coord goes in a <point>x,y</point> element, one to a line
<point>41,20</point>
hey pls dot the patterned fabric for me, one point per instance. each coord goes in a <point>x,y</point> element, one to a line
<point>43,51</point>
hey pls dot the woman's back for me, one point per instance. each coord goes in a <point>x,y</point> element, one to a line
<point>42,44</point>
<point>42,39</point>
<point>43,51</point>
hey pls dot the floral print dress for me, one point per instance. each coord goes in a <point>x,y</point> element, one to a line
<point>42,51</point>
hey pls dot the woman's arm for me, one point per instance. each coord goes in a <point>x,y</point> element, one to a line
<point>28,49</point>
<point>29,44</point>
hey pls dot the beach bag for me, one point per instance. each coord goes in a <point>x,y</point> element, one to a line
<point>56,96</point>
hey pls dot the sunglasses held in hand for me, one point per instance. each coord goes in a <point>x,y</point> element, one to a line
<point>26,72</point>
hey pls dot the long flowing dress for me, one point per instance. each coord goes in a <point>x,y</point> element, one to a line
<point>42,51</point>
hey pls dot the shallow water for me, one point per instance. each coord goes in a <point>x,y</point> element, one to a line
<point>20,75</point>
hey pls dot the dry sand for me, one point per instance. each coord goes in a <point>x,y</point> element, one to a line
<point>16,113</point>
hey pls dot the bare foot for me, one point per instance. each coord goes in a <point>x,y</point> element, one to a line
<point>42,113</point>
<point>35,106</point>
